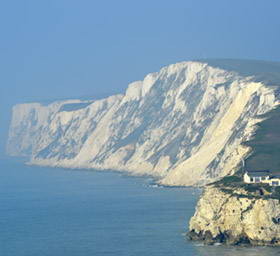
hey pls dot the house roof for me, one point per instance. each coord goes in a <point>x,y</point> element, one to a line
<point>275,175</point>
<point>259,173</point>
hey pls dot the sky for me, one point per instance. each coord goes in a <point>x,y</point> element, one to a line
<point>58,49</point>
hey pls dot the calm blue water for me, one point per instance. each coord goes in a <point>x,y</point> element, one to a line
<point>56,212</point>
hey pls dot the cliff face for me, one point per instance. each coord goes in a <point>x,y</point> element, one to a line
<point>234,219</point>
<point>183,124</point>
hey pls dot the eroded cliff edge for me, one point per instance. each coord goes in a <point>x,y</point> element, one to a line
<point>237,216</point>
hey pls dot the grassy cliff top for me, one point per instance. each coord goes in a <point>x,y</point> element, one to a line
<point>235,186</point>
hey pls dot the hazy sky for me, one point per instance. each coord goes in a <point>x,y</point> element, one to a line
<point>53,49</point>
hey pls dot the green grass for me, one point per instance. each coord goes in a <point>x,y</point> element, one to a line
<point>266,144</point>
<point>229,180</point>
<point>231,184</point>
<point>277,192</point>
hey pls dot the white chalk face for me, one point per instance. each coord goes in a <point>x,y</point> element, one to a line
<point>183,124</point>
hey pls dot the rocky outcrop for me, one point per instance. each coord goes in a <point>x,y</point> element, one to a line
<point>184,125</point>
<point>234,218</point>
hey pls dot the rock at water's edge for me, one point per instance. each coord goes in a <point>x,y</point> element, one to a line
<point>233,219</point>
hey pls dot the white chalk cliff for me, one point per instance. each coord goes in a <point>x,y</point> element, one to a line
<point>184,125</point>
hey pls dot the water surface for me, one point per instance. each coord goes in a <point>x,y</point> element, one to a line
<point>57,212</point>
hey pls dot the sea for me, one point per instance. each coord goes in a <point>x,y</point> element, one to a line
<point>59,212</point>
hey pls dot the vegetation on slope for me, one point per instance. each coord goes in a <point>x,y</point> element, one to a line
<point>265,144</point>
<point>235,186</point>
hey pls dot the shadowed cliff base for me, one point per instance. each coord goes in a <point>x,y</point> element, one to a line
<point>228,238</point>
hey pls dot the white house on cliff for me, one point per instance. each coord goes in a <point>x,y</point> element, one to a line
<point>265,176</point>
